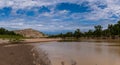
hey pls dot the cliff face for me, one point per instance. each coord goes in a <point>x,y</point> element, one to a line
<point>30,33</point>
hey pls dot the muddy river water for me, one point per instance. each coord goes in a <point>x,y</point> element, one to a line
<point>82,53</point>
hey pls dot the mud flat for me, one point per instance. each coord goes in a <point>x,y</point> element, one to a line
<point>20,54</point>
<point>41,40</point>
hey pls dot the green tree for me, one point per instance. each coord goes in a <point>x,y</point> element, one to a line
<point>98,31</point>
<point>69,34</point>
<point>110,29</point>
<point>89,33</point>
<point>77,33</point>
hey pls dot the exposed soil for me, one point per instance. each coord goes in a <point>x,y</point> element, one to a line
<point>16,54</point>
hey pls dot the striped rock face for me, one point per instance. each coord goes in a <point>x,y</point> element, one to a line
<point>30,33</point>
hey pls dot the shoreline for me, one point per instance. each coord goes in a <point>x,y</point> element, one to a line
<point>100,40</point>
<point>89,40</point>
<point>16,54</point>
<point>27,54</point>
<point>22,54</point>
<point>34,40</point>
<point>39,40</point>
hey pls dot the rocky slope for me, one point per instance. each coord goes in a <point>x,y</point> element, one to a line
<point>30,33</point>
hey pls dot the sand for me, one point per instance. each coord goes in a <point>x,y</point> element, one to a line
<point>16,55</point>
<point>3,41</point>
<point>33,40</point>
<point>22,54</point>
<point>41,40</point>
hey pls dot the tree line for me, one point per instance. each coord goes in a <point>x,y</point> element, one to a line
<point>10,35</point>
<point>112,31</point>
<point>4,31</point>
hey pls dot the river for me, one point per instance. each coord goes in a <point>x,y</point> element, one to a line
<point>82,53</point>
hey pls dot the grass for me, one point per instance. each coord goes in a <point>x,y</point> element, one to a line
<point>12,38</point>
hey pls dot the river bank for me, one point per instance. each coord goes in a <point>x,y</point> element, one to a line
<point>21,54</point>
<point>16,55</point>
<point>36,40</point>
<point>99,40</point>
<point>32,40</point>
<point>29,54</point>
<point>82,39</point>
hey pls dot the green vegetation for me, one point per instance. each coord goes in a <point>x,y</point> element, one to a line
<point>10,35</point>
<point>113,32</point>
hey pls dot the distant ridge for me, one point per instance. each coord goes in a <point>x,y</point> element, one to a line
<point>30,33</point>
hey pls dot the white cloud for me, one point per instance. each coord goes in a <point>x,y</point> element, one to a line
<point>31,3</point>
<point>57,20</point>
<point>113,6</point>
<point>40,25</point>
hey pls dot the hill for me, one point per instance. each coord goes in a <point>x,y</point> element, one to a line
<point>30,33</point>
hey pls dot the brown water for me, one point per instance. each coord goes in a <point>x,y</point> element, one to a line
<point>83,53</point>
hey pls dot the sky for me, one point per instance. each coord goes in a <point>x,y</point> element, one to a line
<point>56,16</point>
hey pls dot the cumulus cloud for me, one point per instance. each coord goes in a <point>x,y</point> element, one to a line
<point>31,3</point>
<point>45,14</point>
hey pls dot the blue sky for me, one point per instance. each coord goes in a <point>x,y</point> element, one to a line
<point>55,16</point>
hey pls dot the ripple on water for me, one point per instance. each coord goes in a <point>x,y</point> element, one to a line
<point>81,53</point>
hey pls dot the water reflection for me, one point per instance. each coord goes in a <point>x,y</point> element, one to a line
<point>83,53</point>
